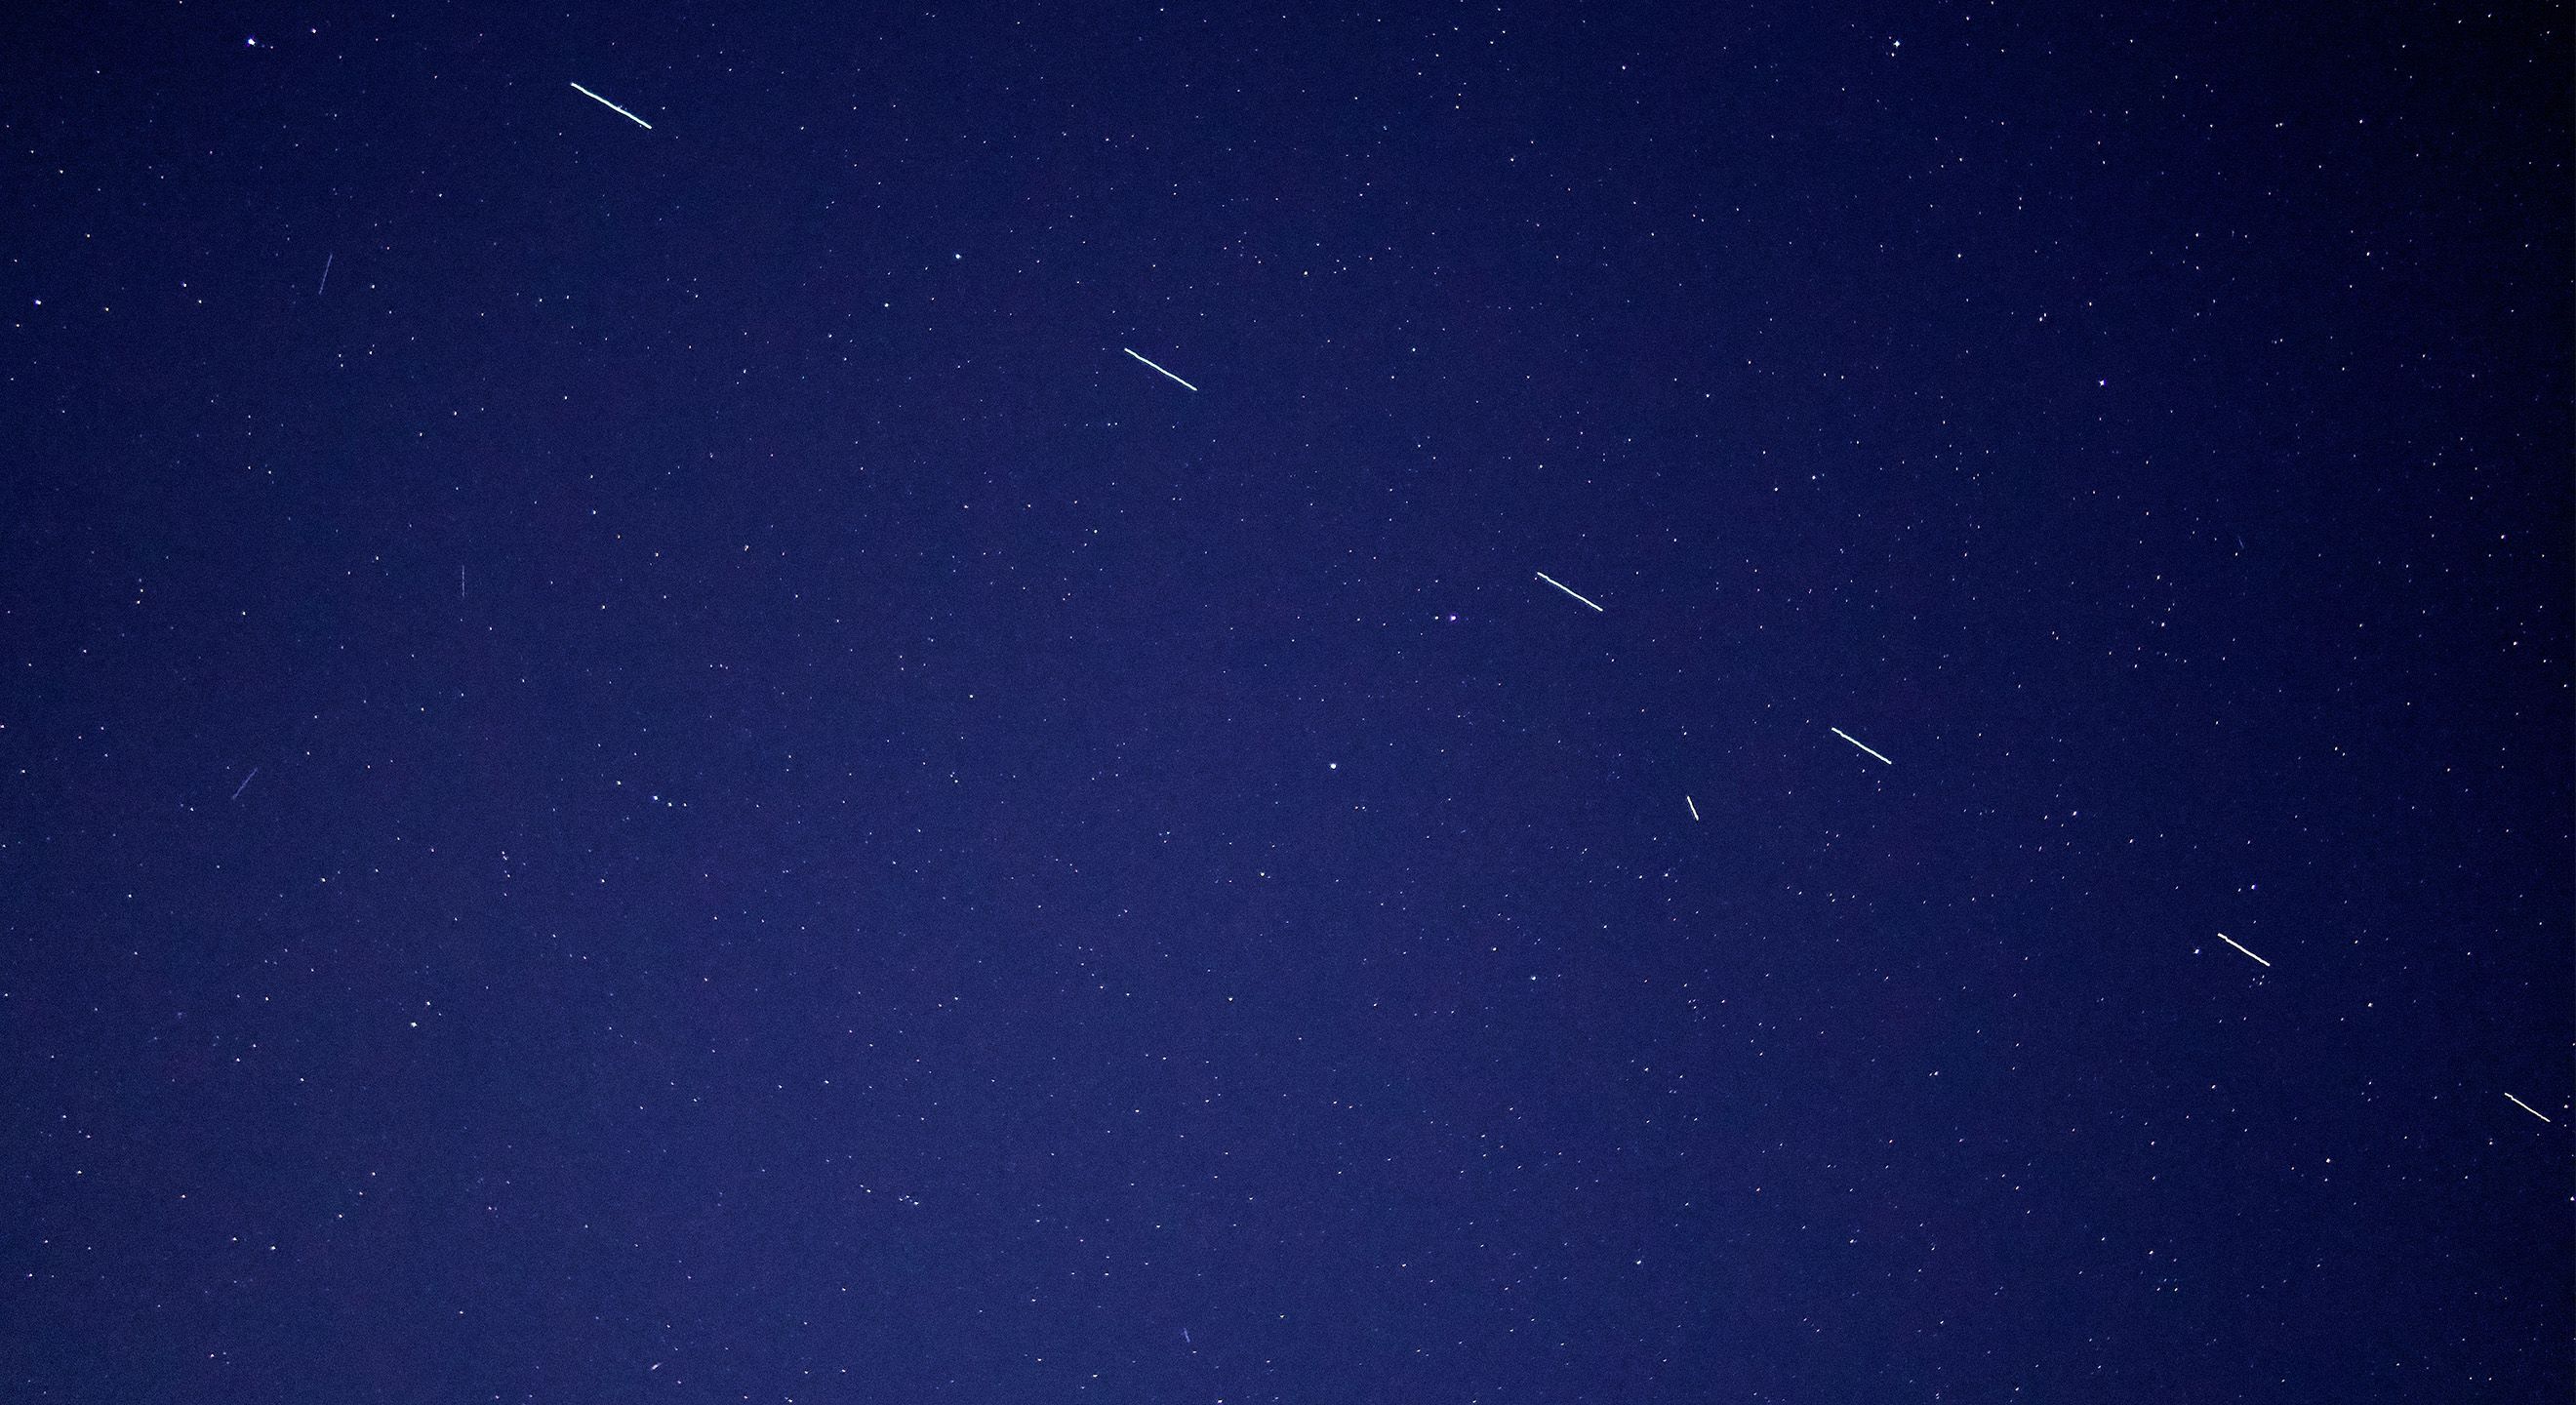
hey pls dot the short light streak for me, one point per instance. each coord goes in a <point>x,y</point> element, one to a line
<point>1185,385</point>
<point>2536,1112</point>
<point>1551,580</point>
<point>2240,946</point>
<point>1846,736</point>
<point>603,102</point>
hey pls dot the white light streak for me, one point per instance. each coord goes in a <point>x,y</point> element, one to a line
<point>1694,809</point>
<point>1185,385</point>
<point>1846,736</point>
<point>2536,1112</point>
<point>1551,580</point>
<point>2240,946</point>
<point>603,102</point>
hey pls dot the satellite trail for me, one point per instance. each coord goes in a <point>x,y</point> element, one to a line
<point>1846,736</point>
<point>1185,385</point>
<point>603,102</point>
<point>1551,580</point>
<point>2240,946</point>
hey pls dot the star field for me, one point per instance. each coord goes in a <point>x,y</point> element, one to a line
<point>639,759</point>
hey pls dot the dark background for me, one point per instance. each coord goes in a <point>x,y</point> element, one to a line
<point>684,784</point>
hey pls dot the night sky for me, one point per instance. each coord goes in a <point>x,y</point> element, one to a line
<point>641,762</point>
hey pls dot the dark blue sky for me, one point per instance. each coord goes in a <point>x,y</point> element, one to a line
<point>683,782</point>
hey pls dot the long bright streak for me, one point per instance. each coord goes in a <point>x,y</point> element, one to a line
<point>2240,946</point>
<point>2536,1112</point>
<point>1551,580</point>
<point>1694,808</point>
<point>603,102</point>
<point>1846,736</point>
<point>1185,385</point>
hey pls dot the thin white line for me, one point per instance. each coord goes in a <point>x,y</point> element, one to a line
<point>1694,808</point>
<point>603,102</point>
<point>2517,1102</point>
<point>1551,580</point>
<point>1184,384</point>
<point>1846,736</point>
<point>2240,946</point>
